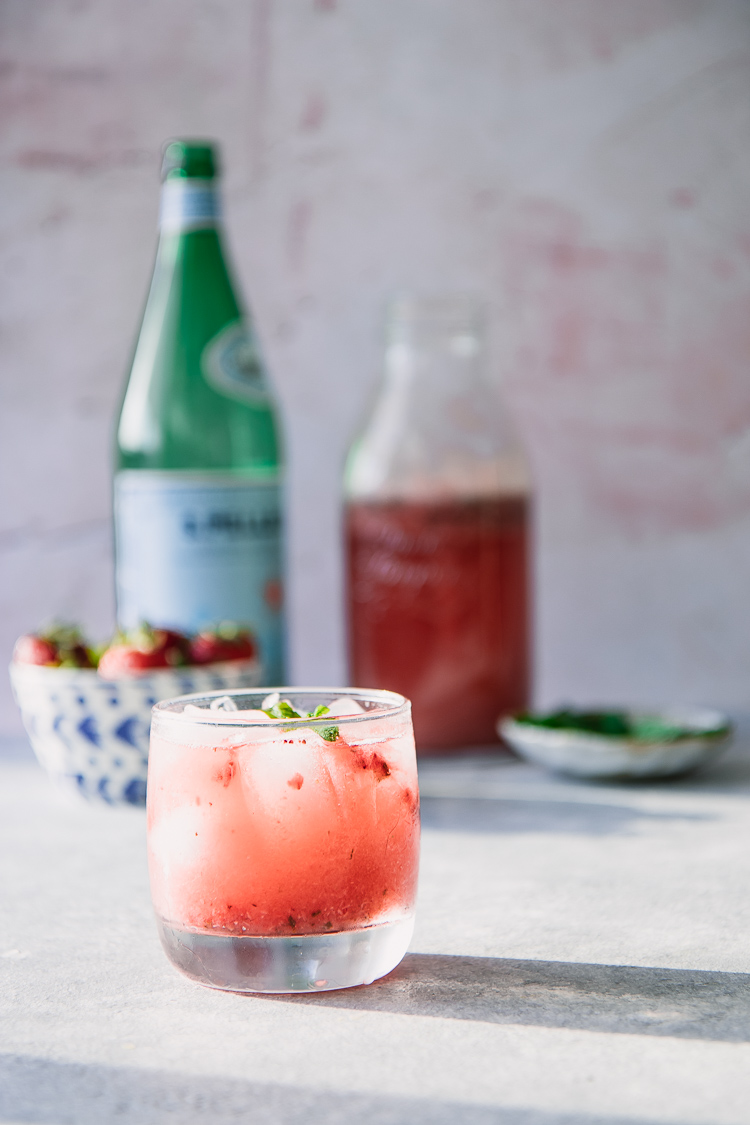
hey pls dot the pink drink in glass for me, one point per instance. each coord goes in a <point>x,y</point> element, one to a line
<point>283,853</point>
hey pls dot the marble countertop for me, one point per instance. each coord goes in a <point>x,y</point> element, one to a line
<point>582,954</point>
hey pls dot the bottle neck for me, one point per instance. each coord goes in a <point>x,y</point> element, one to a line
<point>435,343</point>
<point>189,205</point>
<point>438,430</point>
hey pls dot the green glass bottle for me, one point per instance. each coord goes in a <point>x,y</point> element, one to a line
<point>197,507</point>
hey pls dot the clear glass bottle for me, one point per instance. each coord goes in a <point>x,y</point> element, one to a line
<point>437,494</point>
<point>197,507</point>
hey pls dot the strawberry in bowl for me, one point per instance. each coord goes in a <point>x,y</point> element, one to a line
<point>142,649</point>
<point>229,642</point>
<point>30,649</point>
<point>59,646</point>
<point>88,712</point>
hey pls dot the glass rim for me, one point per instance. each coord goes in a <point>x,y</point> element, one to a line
<point>395,705</point>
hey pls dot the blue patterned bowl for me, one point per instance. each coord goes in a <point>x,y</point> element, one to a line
<point>91,735</point>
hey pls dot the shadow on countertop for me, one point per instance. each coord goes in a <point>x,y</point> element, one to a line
<point>49,1092</point>
<point>508,815</point>
<point>631,1000</point>
<point>679,1003</point>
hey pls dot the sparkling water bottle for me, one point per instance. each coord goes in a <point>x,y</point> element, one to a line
<point>197,506</point>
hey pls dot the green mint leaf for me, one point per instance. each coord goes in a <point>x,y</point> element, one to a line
<point>286,711</point>
<point>612,723</point>
<point>282,710</point>
<point>321,710</point>
<point>615,724</point>
<point>653,729</point>
<point>330,734</point>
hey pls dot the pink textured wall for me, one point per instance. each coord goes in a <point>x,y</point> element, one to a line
<point>584,164</point>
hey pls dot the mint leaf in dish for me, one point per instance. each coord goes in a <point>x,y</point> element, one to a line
<point>618,724</point>
<point>612,723</point>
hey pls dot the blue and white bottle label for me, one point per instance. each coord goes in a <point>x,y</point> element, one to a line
<point>189,205</point>
<point>196,549</point>
<point>232,365</point>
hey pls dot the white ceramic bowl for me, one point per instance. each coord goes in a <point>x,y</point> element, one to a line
<point>91,734</point>
<point>596,756</point>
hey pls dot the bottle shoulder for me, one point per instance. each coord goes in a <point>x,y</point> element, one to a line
<point>426,447</point>
<point>197,394</point>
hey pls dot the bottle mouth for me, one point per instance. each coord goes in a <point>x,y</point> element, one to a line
<point>187,159</point>
<point>446,314</point>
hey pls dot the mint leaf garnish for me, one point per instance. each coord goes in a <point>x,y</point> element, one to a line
<point>283,710</point>
<point>286,711</point>
<point>330,734</point>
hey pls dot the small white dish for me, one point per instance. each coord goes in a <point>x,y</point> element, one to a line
<point>596,756</point>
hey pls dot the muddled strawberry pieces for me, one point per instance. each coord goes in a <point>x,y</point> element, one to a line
<point>367,759</point>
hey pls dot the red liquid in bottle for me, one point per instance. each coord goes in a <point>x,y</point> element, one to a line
<point>439,611</point>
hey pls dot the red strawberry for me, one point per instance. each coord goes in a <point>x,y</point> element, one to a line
<point>35,650</point>
<point>124,660</point>
<point>60,645</point>
<point>210,648</point>
<point>143,648</point>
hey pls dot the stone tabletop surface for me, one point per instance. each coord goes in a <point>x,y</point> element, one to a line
<point>582,954</point>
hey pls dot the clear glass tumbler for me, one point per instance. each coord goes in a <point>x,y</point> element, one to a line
<point>283,836</point>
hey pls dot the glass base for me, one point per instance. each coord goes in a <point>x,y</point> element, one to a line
<point>308,963</point>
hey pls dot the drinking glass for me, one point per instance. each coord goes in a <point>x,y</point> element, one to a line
<point>283,852</point>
